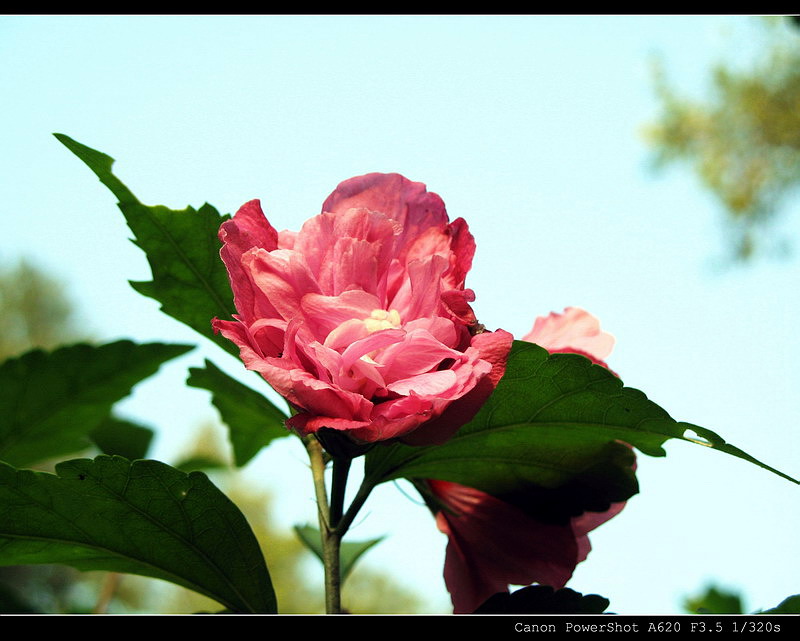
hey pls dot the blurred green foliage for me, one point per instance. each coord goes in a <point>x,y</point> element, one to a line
<point>714,600</point>
<point>35,311</point>
<point>744,140</point>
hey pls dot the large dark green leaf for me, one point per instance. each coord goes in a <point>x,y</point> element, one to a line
<point>51,401</point>
<point>349,553</point>
<point>189,278</point>
<point>140,518</point>
<point>252,420</point>
<point>551,439</point>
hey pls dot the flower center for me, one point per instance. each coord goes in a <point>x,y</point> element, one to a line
<point>381,319</point>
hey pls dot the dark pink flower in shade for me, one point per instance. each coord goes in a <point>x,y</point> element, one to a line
<point>361,319</point>
<point>493,544</point>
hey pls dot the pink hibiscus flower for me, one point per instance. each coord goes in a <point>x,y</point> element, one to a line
<point>492,544</point>
<point>361,319</point>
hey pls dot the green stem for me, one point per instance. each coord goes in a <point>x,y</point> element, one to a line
<point>315,455</point>
<point>331,543</point>
<point>330,538</point>
<point>341,467</point>
<point>360,498</point>
<point>333,521</point>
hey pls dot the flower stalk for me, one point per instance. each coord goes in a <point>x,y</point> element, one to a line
<point>331,543</point>
<point>330,516</point>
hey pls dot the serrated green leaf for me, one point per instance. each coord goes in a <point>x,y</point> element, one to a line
<point>349,553</point>
<point>189,279</point>
<point>550,439</point>
<point>51,401</point>
<point>123,438</point>
<point>252,420</point>
<point>140,518</point>
<point>100,164</point>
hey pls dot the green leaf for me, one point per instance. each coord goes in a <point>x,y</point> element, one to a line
<point>140,518</point>
<point>790,605</point>
<point>189,279</point>
<point>714,600</point>
<point>123,438</point>
<point>543,599</point>
<point>100,164</point>
<point>349,553</point>
<point>551,439</point>
<point>200,463</point>
<point>51,401</point>
<point>252,420</point>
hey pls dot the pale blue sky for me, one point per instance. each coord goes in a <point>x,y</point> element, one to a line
<point>528,127</point>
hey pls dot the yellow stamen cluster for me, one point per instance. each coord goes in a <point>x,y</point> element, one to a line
<point>381,319</point>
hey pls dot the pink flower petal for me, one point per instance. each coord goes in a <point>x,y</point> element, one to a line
<point>418,353</point>
<point>371,343</point>
<point>493,349</point>
<point>324,314</point>
<point>281,276</point>
<point>247,229</point>
<point>575,331</point>
<point>399,199</point>
<point>353,247</point>
<point>420,294</point>
<point>430,384</point>
<point>442,329</point>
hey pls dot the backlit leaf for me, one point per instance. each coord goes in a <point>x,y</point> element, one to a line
<point>189,278</point>
<point>551,439</point>
<point>252,420</point>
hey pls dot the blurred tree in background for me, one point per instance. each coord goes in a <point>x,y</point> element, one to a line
<point>35,311</point>
<point>744,141</point>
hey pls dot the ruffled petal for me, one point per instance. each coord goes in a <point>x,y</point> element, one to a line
<point>247,229</point>
<point>576,331</point>
<point>282,277</point>
<point>493,349</point>
<point>399,199</point>
<point>324,314</point>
